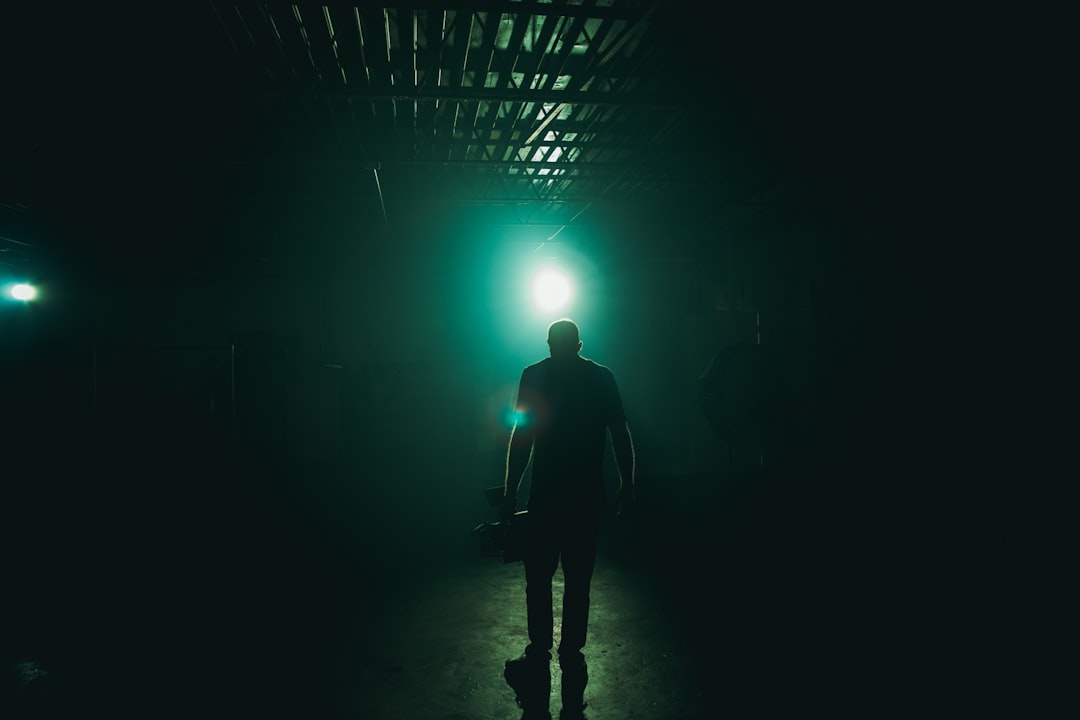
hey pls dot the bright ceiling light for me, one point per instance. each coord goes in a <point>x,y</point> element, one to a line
<point>551,291</point>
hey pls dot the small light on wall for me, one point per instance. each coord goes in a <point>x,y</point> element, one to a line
<point>23,291</point>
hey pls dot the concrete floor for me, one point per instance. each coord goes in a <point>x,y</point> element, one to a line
<point>247,609</point>
<point>440,650</point>
<point>274,628</point>
<point>266,604</point>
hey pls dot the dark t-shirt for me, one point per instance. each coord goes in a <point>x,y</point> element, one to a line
<point>568,404</point>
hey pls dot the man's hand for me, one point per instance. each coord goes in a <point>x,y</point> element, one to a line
<point>624,500</point>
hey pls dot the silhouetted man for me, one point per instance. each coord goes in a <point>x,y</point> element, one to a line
<point>566,406</point>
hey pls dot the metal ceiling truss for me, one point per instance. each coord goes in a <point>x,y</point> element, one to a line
<point>538,102</point>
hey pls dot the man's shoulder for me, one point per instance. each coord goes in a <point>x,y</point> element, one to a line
<point>534,374</point>
<point>590,366</point>
<point>535,367</point>
<point>597,368</point>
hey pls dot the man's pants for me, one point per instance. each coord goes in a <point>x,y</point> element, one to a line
<point>551,538</point>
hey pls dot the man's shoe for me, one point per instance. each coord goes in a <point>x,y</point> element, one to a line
<point>575,676</point>
<point>531,681</point>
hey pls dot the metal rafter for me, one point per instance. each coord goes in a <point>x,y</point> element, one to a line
<point>547,98</point>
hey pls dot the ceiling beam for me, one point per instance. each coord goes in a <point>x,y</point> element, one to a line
<point>483,94</point>
<point>528,7</point>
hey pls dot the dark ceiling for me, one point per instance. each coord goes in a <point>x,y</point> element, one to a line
<point>220,134</point>
<point>145,133</point>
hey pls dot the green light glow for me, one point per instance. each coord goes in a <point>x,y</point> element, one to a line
<point>551,291</point>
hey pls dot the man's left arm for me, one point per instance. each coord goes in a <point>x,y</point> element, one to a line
<point>622,444</point>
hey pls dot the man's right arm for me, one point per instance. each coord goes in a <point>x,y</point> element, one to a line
<point>517,459</point>
<point>519,451</point>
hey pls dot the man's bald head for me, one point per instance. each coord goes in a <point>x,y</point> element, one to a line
<point>563,338</point>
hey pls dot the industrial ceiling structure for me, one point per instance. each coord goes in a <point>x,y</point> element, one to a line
<point>534,113</point>
<point>540,108</point>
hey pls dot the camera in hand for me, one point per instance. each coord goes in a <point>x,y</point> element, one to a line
<point>503,539</point>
